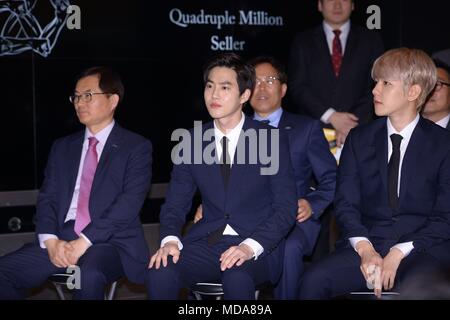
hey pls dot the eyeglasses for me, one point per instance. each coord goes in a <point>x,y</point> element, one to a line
<point>439,85</point>
<point>85,97</point>
<point>266,80</point>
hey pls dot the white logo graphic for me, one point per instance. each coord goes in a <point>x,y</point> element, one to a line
<point>20,30</point>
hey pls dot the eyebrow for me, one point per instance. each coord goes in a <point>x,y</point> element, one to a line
<point>221,83</point>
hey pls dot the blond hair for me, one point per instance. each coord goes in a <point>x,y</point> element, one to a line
<point>412,66</point>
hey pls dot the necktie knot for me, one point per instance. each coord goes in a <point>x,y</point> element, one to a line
<point>92,141</point>
<point>396,139</point>
<point>265,121</point>
<point>337,32</point>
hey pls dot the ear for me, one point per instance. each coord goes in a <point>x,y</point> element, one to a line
<point>245,96</point>
<point>283,89</point>
<point>414,92</point>
<point>319,5</point>
<point>114,100</point>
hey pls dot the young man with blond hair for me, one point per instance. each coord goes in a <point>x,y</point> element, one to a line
<point>393,188</point>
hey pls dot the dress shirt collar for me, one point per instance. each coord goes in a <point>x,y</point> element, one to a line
<point>444,121</point>
<point>102,135</point>
<point>274,117</point>
<point>233,135</point>
<point>345,30</point>
<point>406,132</point>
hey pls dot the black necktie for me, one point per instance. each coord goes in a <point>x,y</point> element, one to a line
<point>225,168</point>
<point>393,166</point>
<point>225,161</point>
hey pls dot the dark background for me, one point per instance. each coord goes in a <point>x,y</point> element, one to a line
<point>161,66</point>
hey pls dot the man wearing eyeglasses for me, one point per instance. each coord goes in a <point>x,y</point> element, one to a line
<point>310,158</point>
<point>88,206</point>
<point>437,108</point>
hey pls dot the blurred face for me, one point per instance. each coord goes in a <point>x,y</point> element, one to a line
<point>268,92</point>
<point>336,12</point>
<point>222,98</point>
<point>97,113</point>
<point>438,105</point>
<point>389,98</point>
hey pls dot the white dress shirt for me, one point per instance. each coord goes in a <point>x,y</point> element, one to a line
<point>102,137</point>
<point>406,133</point>
<point>329,34</point>
<point>233,138</point>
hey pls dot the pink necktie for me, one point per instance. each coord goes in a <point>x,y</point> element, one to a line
<point>83,217</point>
<point>336,56</point>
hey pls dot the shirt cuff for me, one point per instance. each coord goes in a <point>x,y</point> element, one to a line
<point>86,238</point>
<point>354,241</point>
<point>44,237</point>
<point>255,246</point>
<point>172,238</point>
<point>404,247</point>
<point>325,118</point>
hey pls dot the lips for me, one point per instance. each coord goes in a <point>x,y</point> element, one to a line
<point>215,105</point>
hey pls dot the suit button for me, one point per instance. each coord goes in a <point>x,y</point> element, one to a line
<point>394,219</point>
<point>227,216</point>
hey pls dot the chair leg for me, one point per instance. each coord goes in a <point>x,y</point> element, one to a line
<point>256,294</point>
<point>112,291</point>
<point>59,291</point>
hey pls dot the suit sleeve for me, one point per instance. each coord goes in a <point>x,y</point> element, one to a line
<point>182,188</point>
<point>46,207</point>
<point>126,207</point>
<point>284,203</point>
<point>348,196</point>
<point>437,227</point>
<point>299,88</point>
<point>324,168</point>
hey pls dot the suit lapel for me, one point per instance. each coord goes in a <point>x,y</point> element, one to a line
<point>381,151</point>
<point>238,169</point>
<point>324,53</point>
<point>73,163</point>
<point>412,156</point>
<point>112,145</point>
<point>349,51</point>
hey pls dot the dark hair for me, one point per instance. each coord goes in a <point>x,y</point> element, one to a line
<point>245,74</point>
<point>277,65</point>
<point>108,80</point>
<point>442,65</point>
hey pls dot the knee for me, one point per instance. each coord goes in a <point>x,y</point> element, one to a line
<point>91,276</point>
<point>236,277</point>
<point>294,247</point>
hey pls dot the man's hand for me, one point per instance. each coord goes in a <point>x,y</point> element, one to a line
<point>198,213</point>
<point>58,251</point>
<point>342,122</point>
<point>170,248</point>
<point>371,265</point>
<point>304,210</point>
<point>79,246</point>
<point>390,265</point>
<point>235,255</point>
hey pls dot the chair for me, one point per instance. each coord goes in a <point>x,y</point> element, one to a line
<point>59,280</point>
<point>212,289</point>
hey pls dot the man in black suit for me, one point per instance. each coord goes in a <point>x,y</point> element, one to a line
<point>329,69</point>
<point>437,108</point>
<point>392,190</point>
<point>310,157</point>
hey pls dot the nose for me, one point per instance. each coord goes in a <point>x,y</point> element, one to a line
<point>376,89</point>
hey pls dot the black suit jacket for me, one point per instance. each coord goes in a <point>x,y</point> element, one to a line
<point>121,184</point>
<point>423,213</point>
<point>313,85</point>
